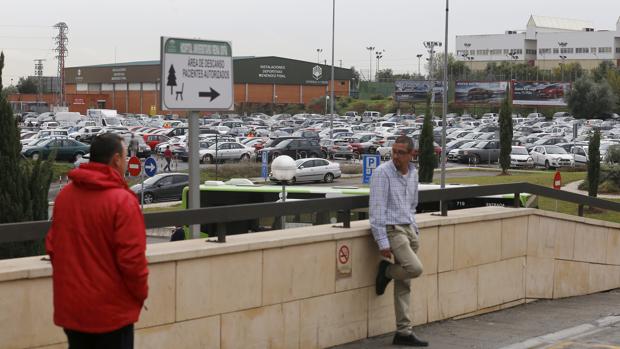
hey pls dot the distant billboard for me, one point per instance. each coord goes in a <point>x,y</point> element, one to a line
<point>416,90</point>
<point>468,92</point>
<point>539,93</point>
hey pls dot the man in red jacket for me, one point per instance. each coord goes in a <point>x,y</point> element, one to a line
<point>97,245</point>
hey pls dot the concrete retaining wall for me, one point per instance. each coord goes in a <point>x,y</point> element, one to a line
<point>286,289</point>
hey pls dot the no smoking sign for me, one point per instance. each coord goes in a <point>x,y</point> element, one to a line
<point>343,258</point>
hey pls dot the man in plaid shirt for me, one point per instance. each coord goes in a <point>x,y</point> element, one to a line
<point>393,200</point>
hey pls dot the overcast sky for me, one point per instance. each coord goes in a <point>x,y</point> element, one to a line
<point>129,30</point>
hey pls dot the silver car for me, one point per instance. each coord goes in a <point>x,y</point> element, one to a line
<point>315,170</point>
<point>226,151</point>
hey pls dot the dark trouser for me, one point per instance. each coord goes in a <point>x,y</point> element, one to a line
<point>167,164</point>
<point>119,339</point>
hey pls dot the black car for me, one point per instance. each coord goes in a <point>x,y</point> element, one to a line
<point>295,148</point>
<point>162,187</point>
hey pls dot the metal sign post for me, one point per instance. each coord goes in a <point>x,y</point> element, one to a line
<point>196,75</point>
<point>142,192</point>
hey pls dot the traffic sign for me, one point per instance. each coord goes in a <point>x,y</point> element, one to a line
<point>557,180</point>
<point>134,167</point>
<point>196,74</point>
<point>150,167</point>
<point>369,163</point>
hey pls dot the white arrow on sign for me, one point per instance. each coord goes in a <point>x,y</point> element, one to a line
<point>150,167</point>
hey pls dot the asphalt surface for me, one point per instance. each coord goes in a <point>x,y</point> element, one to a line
<point>591,321</point>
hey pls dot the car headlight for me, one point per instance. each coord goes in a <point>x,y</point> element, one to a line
<point>530,160</point>
<point>465,153</point>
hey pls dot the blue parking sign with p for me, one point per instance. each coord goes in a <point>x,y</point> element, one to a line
<point>369,163</point>
<point>265,162</point>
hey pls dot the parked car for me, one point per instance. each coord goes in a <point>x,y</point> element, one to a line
<point>161,187</point>
<point>66,149</point>
<point>337,148</point>
<point>483,152</point>
<point>580,155</point>
<point>85,132</point>
<point>519,157</point>
<point>315,169</point>
<point>152,140</point>
<point>295,148</point>
<point>551,156</point>
<point>223,151</point>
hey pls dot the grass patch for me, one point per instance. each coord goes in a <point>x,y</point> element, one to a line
<point>61,169</point>
<point>175,207</point>
<point>544,178</point>
<point>227,171</point>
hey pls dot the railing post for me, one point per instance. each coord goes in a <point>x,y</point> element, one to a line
<point>221,232</point>
<point>517,200</point>
<point>345,217</point>
<point>580,210</point>
<point>443,205</point>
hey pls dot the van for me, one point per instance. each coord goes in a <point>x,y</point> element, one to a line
<point>369,116</point>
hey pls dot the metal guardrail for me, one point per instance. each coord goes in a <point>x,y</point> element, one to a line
<point>24,231</point>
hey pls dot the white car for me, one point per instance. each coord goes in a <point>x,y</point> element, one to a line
<point>225,151</point>
<point>88,131</point>
<point>386,150</point>
<point>551,156</point>
<point>519,157</point>
<point>315,170</point>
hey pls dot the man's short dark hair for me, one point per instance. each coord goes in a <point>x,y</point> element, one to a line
<point>405,140</point>
<point>103,147</point>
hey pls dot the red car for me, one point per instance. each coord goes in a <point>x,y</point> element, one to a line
<point>154,139</point>
<point>417,149</point>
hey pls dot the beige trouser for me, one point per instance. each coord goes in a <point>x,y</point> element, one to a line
<point>407,266</point>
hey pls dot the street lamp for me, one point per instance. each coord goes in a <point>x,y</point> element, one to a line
<point>370,49</point>
<point>419,55</point>
<point>430,46</point>
<point>318,55</point>
<point>514,57</point>
<point>562,57</point>
<point>379,55</point>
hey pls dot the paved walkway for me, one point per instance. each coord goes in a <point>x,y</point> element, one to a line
<point>573,187</point>
<point>591,321</point>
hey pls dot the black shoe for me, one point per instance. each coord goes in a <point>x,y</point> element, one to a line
<point>410,340</point>
<point>382,280</point>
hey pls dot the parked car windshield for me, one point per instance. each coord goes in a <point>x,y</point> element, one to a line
<point>555,150</point>
<point>519,151</point>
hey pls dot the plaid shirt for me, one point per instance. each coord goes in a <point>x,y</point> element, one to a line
<point>393,200</point>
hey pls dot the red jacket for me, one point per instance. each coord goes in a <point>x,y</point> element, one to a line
<point>97,243</point>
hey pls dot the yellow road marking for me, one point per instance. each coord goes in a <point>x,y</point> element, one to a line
<point>565,345</point>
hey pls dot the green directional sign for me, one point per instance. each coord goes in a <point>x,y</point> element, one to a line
<point>196,75</point>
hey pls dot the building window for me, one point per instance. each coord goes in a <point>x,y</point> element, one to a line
<point>544,51</point>
<point>604,50</point>
<point>496,52</point>
<point>530,52</point>
<point>482,52</point>
<point>556,50</point>
<point>617,49</point>
<point>566,50</point>
<point>582,50</point>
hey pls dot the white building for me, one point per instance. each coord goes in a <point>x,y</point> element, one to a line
<point>546,42</point>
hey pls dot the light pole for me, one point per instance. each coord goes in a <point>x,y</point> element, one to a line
<point>419,55</point>
<point>379,55</point>
<point>442,204</point>
<point>430,46</point>
<point>318,55</point>
<point>562,57</point>
<point>331,114</point>
<point>370,49</point>
<point>513,55</point>
<point>562,45</point>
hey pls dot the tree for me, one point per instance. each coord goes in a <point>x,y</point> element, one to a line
<point>594,163</point>
<point>172,78</point>
<point>23,184</point>
<point>589,99</point>
<point>27,85</point>
<point>505,136</point>
<point>427,161</point>
<point>600,72</point>
<point>613,79</point>
<point>385,74</point>
<point>456,68</point>
<point>9,90</point>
